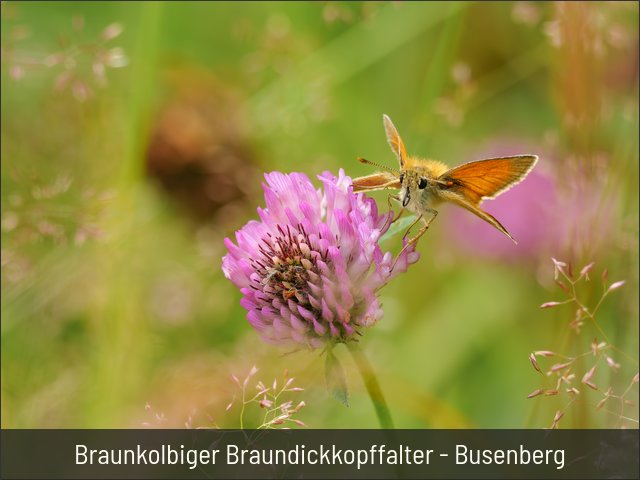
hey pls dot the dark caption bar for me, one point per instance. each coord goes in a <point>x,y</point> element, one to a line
<point>141,454</point>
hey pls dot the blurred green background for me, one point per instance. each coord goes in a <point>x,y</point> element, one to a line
<point>134,137</point>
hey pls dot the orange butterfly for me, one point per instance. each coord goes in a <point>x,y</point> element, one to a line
<point>424,184</point>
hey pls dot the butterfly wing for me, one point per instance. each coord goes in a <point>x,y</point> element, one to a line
<point>394,139</point>
<point>487,217</point>
<point>376,181</point>
<point>488,178</point>
<point>468,184</point>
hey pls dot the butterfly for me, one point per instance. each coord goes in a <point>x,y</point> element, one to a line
<point>424,184</point>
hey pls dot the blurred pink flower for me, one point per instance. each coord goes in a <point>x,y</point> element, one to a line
<point>526,211</point>
<point>310,269</point>
<point>548,214</point>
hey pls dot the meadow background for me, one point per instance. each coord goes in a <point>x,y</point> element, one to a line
<point>134,138</point>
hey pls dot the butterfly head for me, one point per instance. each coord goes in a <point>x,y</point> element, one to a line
<point>412,186</point>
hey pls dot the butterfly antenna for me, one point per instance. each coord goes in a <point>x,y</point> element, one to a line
<point>381,167</point>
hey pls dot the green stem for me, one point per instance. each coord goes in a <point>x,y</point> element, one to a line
<point>373,387</point>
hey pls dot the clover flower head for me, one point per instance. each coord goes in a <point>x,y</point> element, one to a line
<point>310,269</point>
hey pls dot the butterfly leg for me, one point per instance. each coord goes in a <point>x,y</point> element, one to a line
<point>399,215</point>
<point>397,199</point>
<point>425,227</point>
<point>434,214</point>
<point>406,233</point>
<point>414,240</point>
<point>393,218</point>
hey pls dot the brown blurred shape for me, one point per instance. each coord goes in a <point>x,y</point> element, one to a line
<point>198,152</point>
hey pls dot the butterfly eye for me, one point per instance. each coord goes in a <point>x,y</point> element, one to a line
<point>401,177</point>
<point>422,183</point>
